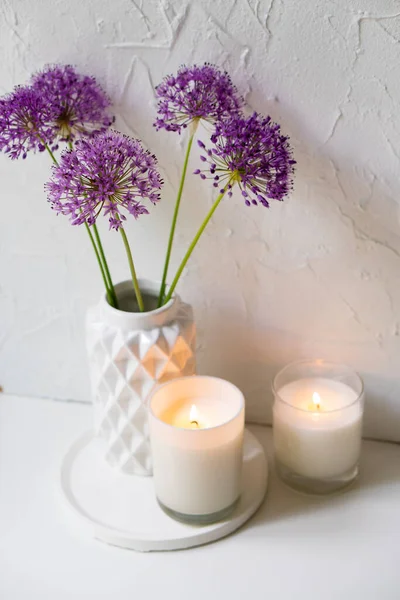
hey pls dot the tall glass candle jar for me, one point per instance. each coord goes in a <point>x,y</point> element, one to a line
<point>196,434</point>
<point>317,425</point>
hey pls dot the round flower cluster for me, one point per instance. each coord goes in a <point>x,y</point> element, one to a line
<point>252,153</point>
<point>75,104</point>
<point>108,173</point>
<point>195,93</point>
<point>59,104</point>
<point>23,124</point>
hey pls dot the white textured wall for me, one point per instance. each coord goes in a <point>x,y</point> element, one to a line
<point>316,276</point>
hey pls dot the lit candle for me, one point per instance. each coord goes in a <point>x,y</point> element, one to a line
<point>196,433</point>
<point>194,418</point>
<point>316,398</point>
<point>317,421</point>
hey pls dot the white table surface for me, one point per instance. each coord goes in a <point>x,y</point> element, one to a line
<point>296,547</point>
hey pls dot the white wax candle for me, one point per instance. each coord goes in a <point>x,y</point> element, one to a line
<point>197,458</point>
<point>317,440</point>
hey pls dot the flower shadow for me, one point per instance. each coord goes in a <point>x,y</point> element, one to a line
<point>313,277</point>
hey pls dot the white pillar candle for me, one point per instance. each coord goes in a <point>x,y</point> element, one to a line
<point>196,433</point>
<point>317,421</point>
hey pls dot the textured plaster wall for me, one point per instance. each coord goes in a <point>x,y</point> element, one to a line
<point>315,276</point>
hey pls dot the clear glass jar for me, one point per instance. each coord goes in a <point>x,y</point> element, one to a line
<point>317,425</point>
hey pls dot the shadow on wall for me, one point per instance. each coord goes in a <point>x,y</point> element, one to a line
<point>250,358</point>
<point>335,299</point>
<point>317,274</point>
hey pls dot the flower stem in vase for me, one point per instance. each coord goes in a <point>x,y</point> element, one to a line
<point>99,252</point>
<point>105,268</point>
<point>192,246</point>
<point>110,297</point>
<point>194,125</point>
<point>132,269</point>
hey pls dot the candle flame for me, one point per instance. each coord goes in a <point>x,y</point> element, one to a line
<point>193,416</point>
<point>317,400</point>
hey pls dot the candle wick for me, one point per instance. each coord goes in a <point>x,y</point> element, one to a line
<point>317,401</point>
<point>195,423</point>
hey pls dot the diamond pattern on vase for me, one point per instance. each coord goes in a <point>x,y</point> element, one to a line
<point>125,366</point>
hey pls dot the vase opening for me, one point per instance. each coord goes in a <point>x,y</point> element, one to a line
<point>127,301</point>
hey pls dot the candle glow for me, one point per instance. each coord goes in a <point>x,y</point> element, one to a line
<point>196,430</point>
<point>194,417</point>
<point>316,400</point>
<point>317,425</point>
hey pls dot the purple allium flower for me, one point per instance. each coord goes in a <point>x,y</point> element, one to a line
<point>252,153</point>
<point>108,172</point>
<point>23,126</point>
<point>195,93</point>
<point>75,104</point>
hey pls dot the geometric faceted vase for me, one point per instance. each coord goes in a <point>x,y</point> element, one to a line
<point>130,353</point>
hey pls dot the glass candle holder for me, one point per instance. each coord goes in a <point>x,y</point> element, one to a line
<point>317,425</point>
<point>196,435</point>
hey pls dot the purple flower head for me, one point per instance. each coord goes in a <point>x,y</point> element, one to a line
<point>108,173</point>
<point>252,153</point>
<point>75,104</point>
<point>23,126</point>
<point>195,93</point>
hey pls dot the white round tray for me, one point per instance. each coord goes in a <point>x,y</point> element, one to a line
<point>122,509</point>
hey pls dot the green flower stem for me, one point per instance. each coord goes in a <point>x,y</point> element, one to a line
<point>53,158</point>
<point>111,299</point>
<point>176,211</point>
<point>99,252</point>
<point>132,268</point>
<point>192,247</point>
<point>105,268</point>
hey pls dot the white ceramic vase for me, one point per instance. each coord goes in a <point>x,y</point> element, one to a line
<point>129,354</point>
